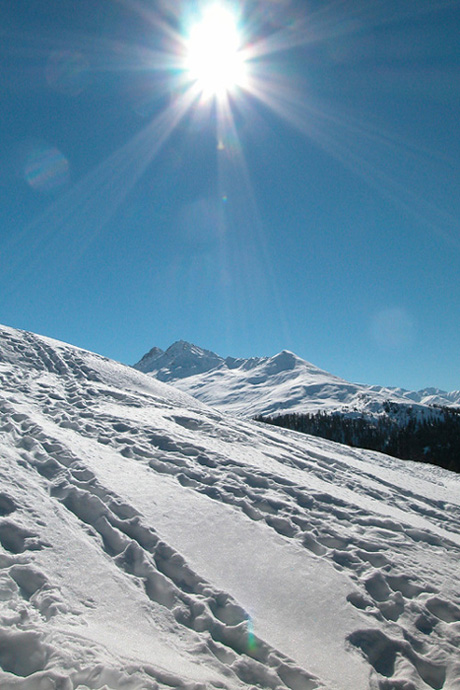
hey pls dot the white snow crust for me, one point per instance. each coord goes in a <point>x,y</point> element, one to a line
<point>150,542</point>
<point>270,385</point>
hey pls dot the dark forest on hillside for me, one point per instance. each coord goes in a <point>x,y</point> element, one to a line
<point>434,439</point>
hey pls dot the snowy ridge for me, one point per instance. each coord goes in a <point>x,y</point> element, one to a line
<point>267,385</point>
<point>430,396</point>
<point>149,542</point>
<point>180,360</point>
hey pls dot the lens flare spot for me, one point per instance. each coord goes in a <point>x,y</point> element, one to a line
<point>46,169</point>
<point>252,640</point>
<point>67,72</point>
<point>393,328</point>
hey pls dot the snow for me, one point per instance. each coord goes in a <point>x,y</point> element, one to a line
<point>148,541</point>
<point>268,385</point>
<point>180,360</point>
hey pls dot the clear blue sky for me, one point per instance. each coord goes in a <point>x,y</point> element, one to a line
<point>321,215</point>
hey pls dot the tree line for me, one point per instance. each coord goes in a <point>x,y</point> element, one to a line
<point>400,431</point>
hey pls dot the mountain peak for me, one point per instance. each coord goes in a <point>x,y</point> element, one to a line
<point>177,344</point>
<point>286,358</point>
<point>183,347</point>
<point>181,360</point>
<point>150,356</point>
<point>268,385</point>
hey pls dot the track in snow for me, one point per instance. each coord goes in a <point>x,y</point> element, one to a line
<point>391,535</point>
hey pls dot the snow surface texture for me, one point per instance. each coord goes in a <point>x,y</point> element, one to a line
<point>266,385</point>
<point>149,542</point>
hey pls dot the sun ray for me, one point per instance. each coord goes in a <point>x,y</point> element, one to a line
<point>77,218</point>
<point>343,136</point>
<point>346,138</point>
<point>240,213</point>
<point>218,59</point>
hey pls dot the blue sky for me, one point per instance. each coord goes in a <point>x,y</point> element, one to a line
<point>316,210</point>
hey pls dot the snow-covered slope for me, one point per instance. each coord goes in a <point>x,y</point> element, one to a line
<point>149,542</point>
<point>266,385</point>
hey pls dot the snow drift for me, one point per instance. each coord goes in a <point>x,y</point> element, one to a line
<point>150,542</point>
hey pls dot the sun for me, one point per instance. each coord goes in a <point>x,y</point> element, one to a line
<point>214,60</point>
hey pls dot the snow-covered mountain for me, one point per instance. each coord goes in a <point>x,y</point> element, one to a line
<point>430,396</point>
<point>180,360</point>
<point>149,542</point>
<point>267,385</point>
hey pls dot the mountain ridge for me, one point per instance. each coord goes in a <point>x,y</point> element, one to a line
<point>281,383</point>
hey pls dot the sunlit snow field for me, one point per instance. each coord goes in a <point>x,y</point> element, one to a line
<point>149,541</point>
